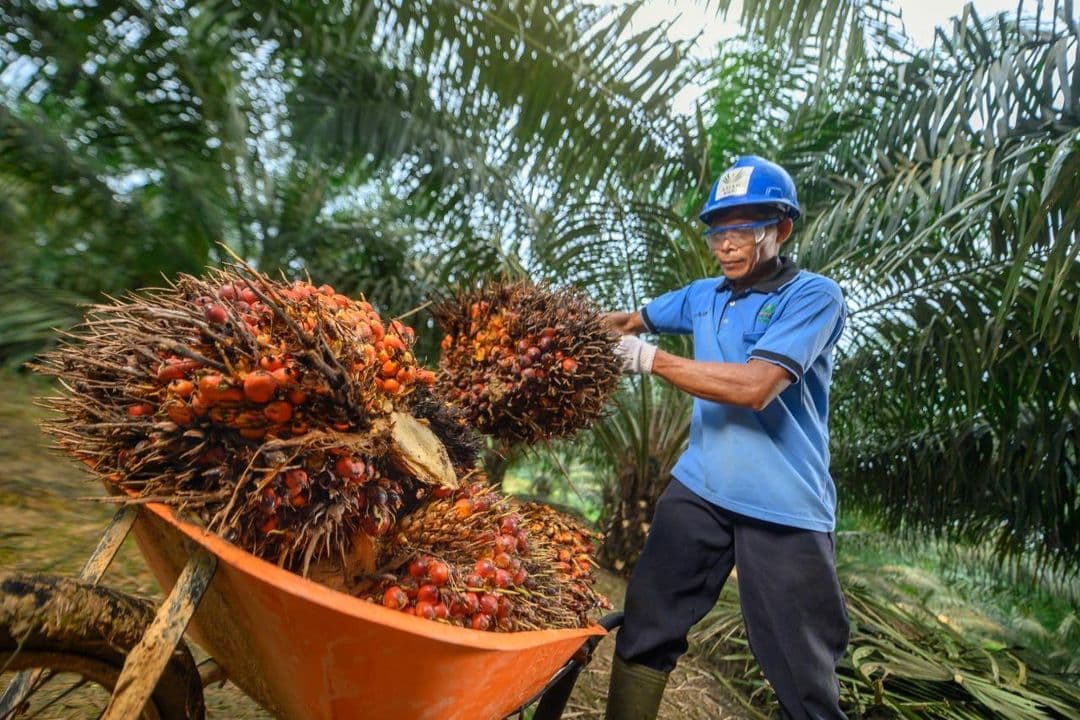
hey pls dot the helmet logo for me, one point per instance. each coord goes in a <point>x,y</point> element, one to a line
<point>735,181</point>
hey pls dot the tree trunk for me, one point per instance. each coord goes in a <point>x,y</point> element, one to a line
<point>632,502</point>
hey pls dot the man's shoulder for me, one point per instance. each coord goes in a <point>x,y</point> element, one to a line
<point>808,283</point>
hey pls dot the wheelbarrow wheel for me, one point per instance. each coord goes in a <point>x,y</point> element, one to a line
<point>77,635</point>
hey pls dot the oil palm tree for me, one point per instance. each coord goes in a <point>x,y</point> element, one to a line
<point>137,136</point>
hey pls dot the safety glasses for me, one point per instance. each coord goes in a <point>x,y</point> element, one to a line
<point>740,235</point>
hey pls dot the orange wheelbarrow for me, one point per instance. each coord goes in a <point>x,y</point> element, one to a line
<point>299,649</point>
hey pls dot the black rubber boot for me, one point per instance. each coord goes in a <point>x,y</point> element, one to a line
<point>634,692</point>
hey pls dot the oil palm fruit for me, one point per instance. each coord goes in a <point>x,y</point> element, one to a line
<point>265,409</point>
<point>525,362</point>
<point>482,560</point>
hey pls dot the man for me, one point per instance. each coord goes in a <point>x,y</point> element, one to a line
<point>753,487</point>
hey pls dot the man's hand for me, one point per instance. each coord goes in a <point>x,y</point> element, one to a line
<point>624,323</point>
<point>637,355</point>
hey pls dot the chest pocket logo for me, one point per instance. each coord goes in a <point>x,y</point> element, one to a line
<point>765,313</point>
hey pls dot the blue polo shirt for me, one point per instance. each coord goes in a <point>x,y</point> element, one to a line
<point>774,464</point>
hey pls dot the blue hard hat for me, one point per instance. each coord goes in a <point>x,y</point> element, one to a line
<point>752,180</point>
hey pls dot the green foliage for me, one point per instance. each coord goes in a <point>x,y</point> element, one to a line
<point>904,661</point>
<point>340,138</point>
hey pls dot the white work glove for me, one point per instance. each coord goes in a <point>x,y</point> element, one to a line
<point>636,354</point>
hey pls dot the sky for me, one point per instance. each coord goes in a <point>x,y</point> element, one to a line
<point>693,17</point>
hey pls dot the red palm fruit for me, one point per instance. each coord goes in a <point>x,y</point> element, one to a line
<point>284,376</point>
<point>425,610</point>
<point>180,413</point>
<point>377,525</point>
<point>411,588</point>
<point>428,592</point>
<point>485,568</point>
<point>501,560</point>
<point>472,603</point>
<point>489,604</point>
<point>520,575</point>
<point>297,396</point>
<point>210,385</point>
<point>457,606</point>
<point>418,568</point>
<point>216,314</point>
<point>271,362</point>
<point>505,544</point>
<point>439,572</point>
<point>278,411</point>
<point>296,480</point>
<point>391,386</point>
<point>509,524</point>
<point>569,365</point>
<point>441,611</point>
<point>463,508</point>
<point>259,386</point>
<point>345,468</point>
<point>473,580</point>
<point>140,410</point>
<point>395,598</point>
<point>269,526</point>
<point>377,330</point>
<point>505,606</point>
<point>181,388</point>
<point>481,621</point>
<point>503,579</point>
<point>230,395</point>
<point>176,368</point>
<point>227,292</point>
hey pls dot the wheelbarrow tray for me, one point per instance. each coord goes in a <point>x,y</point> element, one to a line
<point>304,651</point>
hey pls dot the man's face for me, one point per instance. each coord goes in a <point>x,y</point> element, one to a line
<point>738,252</point>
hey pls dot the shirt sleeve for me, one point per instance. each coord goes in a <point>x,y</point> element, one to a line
<point>801,331</point>
<point>670,313</point>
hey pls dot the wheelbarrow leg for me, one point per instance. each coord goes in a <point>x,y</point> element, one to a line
<point>147,660</point>
<point>92,571</point>
<point>553,697</point>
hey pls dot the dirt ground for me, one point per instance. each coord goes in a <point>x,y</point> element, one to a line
<point>45,526</point>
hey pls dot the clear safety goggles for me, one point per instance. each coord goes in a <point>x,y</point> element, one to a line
<point>741,235</point>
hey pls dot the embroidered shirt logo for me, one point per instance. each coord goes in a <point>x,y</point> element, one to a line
<point>765,314</point>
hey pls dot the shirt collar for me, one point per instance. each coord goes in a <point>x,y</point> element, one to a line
<point>771,283</point>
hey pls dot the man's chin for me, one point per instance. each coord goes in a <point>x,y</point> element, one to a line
<point>733,271</point>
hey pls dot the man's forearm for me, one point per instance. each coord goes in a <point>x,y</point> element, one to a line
<point>753,385</point>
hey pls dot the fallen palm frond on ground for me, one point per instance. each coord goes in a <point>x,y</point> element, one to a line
<point>902,662</point>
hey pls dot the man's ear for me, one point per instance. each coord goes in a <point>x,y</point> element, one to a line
<point>783,230</point>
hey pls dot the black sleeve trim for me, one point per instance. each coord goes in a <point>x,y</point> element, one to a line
<point>782,360</point>
<point>645,319</point>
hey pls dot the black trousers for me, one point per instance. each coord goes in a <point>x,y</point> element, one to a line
<point>791,599</point>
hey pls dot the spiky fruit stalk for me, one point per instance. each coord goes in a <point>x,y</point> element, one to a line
<point>491,562</point>
<point>525,362</point>
<point>260,407</point>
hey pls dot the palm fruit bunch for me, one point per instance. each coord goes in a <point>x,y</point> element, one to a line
<point>278,414</point>
<point>475,558</point>
<point>526,362</point>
